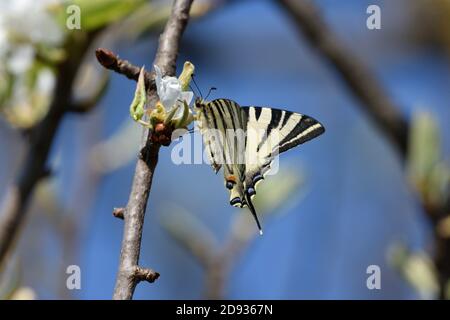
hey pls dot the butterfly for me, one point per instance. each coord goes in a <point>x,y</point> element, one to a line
<point>244,141</point>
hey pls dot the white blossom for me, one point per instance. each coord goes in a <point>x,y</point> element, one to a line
<point>170,92</point>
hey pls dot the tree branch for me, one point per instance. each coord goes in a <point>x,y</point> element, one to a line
<point>166,56</point>
<point>111,61</point>
<point>41,137</point>
<point>359,79</point>
<point>220,265</point>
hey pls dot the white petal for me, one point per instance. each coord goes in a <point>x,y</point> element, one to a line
<point>170,92</point>
<point>187,96</point>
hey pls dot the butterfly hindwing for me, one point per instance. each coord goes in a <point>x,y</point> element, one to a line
<point>271,132</point>
<point>213,149</point>
<point>223,128</point>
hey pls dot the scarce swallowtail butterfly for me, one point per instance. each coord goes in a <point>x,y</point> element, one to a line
<point>245,140</point>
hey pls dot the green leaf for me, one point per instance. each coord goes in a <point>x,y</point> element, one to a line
<point>7,81</point>
<point>98,13</point>
<point>186,75</point>
<point>149,18</point>
<point>438,184</point>
<point>158,114</point>
<point>171,114</point>
<point>185,119</point>
<point>140,98</point>
<point>424,148</point>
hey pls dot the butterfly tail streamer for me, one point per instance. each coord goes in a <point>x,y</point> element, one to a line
<point>253,211</point>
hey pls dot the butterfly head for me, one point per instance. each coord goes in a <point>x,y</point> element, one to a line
<point>199,104</point>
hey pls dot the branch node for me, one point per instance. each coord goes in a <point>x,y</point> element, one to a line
<point>145,274</point>
<point>119,213</point>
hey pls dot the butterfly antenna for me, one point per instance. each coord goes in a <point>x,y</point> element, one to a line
<point>253,211</point>
<point>209,92</point>
<point>192,89</point>
<point>195,83</point>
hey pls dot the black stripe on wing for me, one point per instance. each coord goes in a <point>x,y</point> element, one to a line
<point>212,140</point>
<point>276,116</point>
<point>306,129</point>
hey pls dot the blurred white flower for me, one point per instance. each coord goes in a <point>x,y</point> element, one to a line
<point>170,92</point>
<point>30,21</point>
<point>25,26</point>
<point>21,60</point>
<point>45,82</point>
<point>27,105</point>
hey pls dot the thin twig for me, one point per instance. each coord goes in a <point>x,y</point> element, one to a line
<point>41,137</point>
<point>356,75</point>
<point>111,61</point>
<point>218,271</point>
<point>135,211</point>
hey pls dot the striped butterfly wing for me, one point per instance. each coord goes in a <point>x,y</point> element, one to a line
<point>223,126</point>
<point>270,132</point>
<point>207,125</point>
<point>245,140</point>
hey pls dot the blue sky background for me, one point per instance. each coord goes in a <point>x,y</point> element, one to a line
<point>356,205</point>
